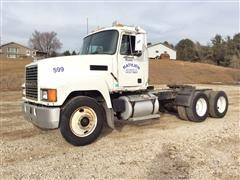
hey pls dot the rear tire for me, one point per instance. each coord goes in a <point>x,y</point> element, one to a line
<point>218,104</point>
<point>199,108</point>
<point>182,112</point>
<point>81,121</point>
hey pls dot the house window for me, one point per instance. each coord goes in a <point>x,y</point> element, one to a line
<point>12,50</point>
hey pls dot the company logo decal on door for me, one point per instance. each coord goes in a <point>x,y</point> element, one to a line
<point>131,68</point>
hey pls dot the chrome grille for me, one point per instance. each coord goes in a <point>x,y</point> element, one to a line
<point>31,82</point>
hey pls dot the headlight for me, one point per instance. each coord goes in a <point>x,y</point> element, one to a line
<point>49,95</point>
<point>23,90</point>
<point>44,94</point>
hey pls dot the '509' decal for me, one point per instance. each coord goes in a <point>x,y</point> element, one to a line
<point>58,69</point>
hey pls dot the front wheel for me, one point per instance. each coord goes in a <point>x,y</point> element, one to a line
<point>82,121</point>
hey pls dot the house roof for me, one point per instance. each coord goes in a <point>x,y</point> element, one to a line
<point>17,44</point>
<point>161,44</point>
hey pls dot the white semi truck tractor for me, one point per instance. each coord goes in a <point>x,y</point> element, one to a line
<point>107,82</point>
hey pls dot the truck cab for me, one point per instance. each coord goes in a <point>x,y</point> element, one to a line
<point>113,62</point>
<point>128,67</point>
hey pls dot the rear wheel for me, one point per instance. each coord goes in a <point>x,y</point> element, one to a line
<point>182,112</point>
<point>81,121</point>
<point>199,107</point>
<point>218,104</point>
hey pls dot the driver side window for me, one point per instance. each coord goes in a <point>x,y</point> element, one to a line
<point>127,45</point>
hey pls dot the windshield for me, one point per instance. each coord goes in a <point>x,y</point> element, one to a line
<point>104,42</point>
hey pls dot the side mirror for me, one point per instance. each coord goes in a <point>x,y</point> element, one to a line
<point>139,42</point>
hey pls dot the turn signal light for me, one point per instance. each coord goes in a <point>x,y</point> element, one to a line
<point>52,95</point>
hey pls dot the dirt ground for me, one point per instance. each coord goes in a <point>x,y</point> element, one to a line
<point>12,74</point>
<point>167,148</point>
<point>179,72</point>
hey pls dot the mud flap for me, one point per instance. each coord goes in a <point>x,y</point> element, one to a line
<point>184,97</point>
<point>109,116</point>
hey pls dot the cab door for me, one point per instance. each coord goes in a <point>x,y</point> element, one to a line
<point>130,71</point>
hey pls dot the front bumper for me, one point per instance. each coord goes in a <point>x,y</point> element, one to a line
<point>42,117</point>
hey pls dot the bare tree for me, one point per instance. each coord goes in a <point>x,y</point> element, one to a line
<point>45,42</point>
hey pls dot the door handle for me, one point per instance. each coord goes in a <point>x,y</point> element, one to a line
<point>128,58</point>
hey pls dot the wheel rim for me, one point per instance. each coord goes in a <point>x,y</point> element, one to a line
<point>201,107</point>
<point>83,121</point>
<point>221,104</point>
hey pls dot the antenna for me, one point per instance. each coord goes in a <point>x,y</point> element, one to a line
<point>87,25</point>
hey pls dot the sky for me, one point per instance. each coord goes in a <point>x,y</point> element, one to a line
<point>172,20</point>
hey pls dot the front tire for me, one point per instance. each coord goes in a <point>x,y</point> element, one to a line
<point>81,121</point>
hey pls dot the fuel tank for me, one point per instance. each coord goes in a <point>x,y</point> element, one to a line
<point>140,105</point>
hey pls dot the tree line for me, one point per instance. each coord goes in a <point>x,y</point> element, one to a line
<point>223,51</point>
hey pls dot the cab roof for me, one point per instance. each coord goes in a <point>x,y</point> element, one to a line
<point>121,28</point>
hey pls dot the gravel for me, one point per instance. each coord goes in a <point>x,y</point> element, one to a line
<point>168,148</point>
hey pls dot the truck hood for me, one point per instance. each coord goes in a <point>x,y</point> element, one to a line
<point>83,60</point>
<point>66,68</point>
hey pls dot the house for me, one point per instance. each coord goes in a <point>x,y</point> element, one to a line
<point>15,50</point>
<point>161,51</point>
